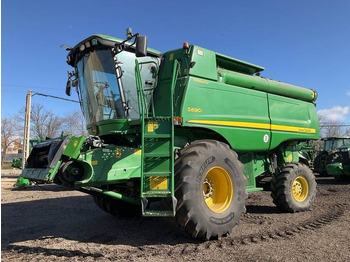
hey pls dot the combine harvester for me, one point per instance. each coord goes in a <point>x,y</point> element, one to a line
<point>184,134</point>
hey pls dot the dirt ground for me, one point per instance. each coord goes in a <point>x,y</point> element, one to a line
<point>51,223</point>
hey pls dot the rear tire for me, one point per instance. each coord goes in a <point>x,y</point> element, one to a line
<point>294,188</point>
<point>210,189</point>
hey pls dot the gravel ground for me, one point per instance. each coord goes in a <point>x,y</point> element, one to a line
<point>51,223</point>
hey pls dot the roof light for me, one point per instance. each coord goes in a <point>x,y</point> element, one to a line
<point>186,45</point>
<point>87,44</point>
<point>94,41</point>
<point>82,48</point>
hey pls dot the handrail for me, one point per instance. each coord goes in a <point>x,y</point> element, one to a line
<point>141,90</point>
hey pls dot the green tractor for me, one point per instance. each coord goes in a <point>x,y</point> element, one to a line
<point>329,154</point>
<point>183,134</point>
<point>339,167</point>
<point>17,162</point>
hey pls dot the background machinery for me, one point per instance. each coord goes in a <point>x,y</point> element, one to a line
<point>330,154</point>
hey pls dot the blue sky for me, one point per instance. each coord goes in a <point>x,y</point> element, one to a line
<point>299,42</point>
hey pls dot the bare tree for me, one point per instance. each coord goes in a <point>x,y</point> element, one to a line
<point>331,128</point>
<point>10,130</point>
<point>74,124</point>
<point>347,132</point>
<point>44,122</point>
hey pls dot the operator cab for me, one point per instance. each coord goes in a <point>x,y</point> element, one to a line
<point>104,75</point>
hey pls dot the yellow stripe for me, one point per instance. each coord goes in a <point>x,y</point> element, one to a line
<point>294,129</point>
<point>255,125</point>
<point>200,81</point>
<point>231,123</point>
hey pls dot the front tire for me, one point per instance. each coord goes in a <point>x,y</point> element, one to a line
<point>210,189</point>
<point>294,188</point>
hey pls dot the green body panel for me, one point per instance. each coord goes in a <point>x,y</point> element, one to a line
<point>107,127</point>
<point>338,169</point>
<point>199,109</point>
<point>292,119</point>
<point>204,57</point>
<point>72,149</point>
<point>228,110</point>
<point>254,165</point>
<point>108,165</point>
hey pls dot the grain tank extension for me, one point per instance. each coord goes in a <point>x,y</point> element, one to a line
<point>183,134</point>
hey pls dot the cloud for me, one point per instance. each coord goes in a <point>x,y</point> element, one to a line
<point>336,113</point>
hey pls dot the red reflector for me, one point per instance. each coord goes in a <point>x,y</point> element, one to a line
<point>177,120</point>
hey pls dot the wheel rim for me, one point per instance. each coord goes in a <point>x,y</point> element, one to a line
<point>218,189</point>
<point>300,189</point>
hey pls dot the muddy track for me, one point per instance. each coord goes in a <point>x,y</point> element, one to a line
<point>63,225</point>
<point>229,242</point>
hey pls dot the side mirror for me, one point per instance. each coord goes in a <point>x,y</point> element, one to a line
<point>75,83</point>
<point>141,46</point>
<point>68,87</point>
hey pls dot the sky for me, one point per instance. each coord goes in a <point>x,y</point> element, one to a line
<point>300,42</point>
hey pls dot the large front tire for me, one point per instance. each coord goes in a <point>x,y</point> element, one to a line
<point>210,189</point>
<point>294,188</point>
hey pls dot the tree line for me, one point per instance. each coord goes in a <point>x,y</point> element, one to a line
<point>44,124</point>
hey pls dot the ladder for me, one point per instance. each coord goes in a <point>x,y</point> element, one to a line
<point>157,160</point>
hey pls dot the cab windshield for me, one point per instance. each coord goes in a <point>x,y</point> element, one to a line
<point>108,86</point>
<point>99,89</point>
<point>334,144</point>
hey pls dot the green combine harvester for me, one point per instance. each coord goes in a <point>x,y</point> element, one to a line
<point>183,134</point>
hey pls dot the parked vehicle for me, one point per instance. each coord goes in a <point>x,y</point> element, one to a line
<point>183,134</point>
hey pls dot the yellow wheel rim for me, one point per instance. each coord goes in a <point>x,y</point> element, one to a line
<point>300,189</point>
<point>218,189</point>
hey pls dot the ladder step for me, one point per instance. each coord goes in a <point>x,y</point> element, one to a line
<point>158,213</point>
<point>159,118</point>
<point>156,193</point>
<point>157,136</point>
<point>167,210</point>
<point>160,173</point>
<point>153,155</point>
